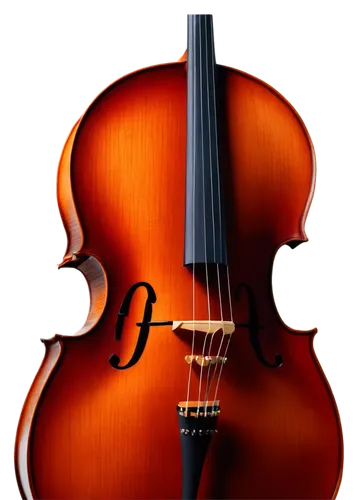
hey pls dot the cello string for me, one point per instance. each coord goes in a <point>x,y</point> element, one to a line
<point>216,130</point>
<point>193,222</point>
<point>222,341</point>
<point>205,244</point>
<point>210,380</point>
<point>228,342</point>
<point>212,198</point>
<point>229,292</point>
<point>220,229</point>
<point>216,366</point>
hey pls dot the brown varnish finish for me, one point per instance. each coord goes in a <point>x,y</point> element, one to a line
<point>88,431</point>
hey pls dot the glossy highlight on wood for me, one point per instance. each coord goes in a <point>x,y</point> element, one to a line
<point>88,431</point>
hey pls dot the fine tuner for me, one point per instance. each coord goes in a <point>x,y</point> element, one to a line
<point>205,360</point>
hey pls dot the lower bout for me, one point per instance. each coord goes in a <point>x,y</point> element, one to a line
<point>246,460</point>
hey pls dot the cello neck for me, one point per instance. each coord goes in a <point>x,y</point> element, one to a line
<point>205,240</point>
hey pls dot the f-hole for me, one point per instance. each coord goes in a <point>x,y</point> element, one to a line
<point>144,325</point>
<point>254,327</point>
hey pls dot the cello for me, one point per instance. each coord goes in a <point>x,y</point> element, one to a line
<point>176,188</point>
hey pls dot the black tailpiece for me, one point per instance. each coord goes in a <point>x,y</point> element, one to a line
<point>196,430</point>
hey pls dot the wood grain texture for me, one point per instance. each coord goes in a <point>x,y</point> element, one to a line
<point>93,432</point>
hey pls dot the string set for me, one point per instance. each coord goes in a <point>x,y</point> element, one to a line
<point>211,374</point>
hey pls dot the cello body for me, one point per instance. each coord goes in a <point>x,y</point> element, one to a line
<point>91,431</point>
